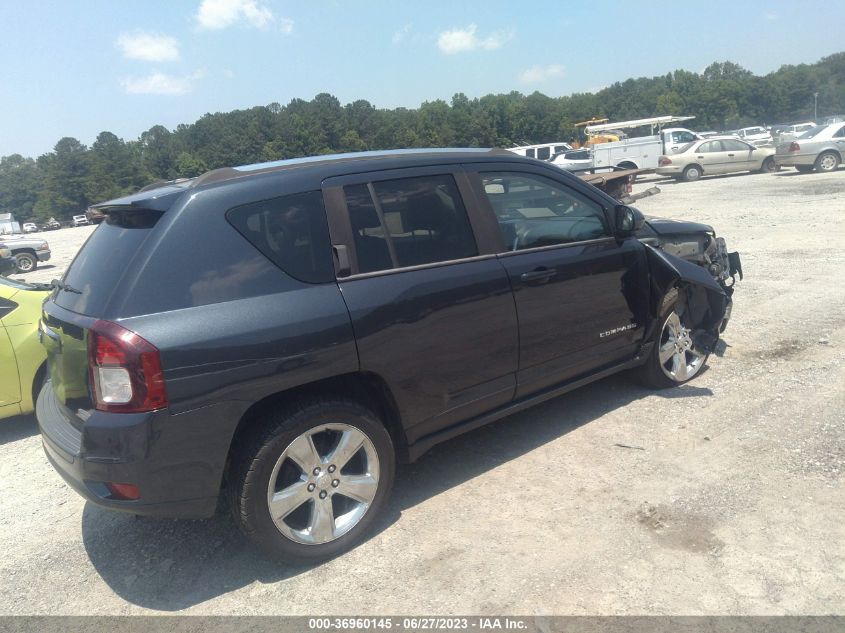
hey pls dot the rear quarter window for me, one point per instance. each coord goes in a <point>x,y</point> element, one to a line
<point>291,232</point>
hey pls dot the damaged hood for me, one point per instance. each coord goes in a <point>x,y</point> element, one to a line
<point>662,226</point>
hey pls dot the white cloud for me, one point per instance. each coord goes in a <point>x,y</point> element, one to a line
<point>286,25</point>
<point>461,40</point>
<point>770,15</point>
<point>157,83</point>
<point>539,74</point>
<point>402,34</point>
<point>219,14</point>
<point>148,47</point>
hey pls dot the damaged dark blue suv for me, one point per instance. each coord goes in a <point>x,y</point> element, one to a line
<point>285,332</point>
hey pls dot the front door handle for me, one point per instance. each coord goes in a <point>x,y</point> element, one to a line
<point>538,276</point>
<point>731,155</point>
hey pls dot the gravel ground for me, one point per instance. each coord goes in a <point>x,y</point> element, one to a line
<point>731,502</point>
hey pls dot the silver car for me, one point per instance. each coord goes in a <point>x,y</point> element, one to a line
<point>574,160</point>
<point>711,156</point>
<point>821,148</point>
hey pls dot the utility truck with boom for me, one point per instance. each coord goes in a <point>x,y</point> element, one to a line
<point>641,152</point>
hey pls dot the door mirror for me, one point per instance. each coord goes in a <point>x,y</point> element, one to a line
<point>629,220</point>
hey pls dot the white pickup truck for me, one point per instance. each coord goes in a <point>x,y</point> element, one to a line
<point>642,152</point>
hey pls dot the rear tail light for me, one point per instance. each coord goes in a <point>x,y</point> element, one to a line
<point>794,147</point>
<point>126,372</point>
<point>665,160</point>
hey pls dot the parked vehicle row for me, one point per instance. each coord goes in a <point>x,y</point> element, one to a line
<point>820,148</point>
<point>356,311</point>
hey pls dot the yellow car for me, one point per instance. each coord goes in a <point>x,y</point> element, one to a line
<point>22,357</point>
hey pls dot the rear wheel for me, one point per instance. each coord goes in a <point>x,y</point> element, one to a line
<point>674,360</point>
<point>311,480</point>
<point>692,172</point>
<point>26,262</point>
<point>827,161</point>
<point>769,165</point>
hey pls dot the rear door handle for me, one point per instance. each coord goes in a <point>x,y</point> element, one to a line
<point>730,155</point>
<point>538,276</point>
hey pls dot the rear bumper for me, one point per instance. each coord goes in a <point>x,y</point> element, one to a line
<point>790,160</point>
<point>177,469</point>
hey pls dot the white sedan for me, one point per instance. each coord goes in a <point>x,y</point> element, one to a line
<point>711,156</point>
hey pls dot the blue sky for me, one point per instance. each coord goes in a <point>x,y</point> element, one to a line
<point>77,68</point>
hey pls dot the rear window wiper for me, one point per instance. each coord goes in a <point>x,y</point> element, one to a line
<point>63,286</point>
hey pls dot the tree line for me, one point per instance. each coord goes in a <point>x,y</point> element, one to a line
<point>67,180</point>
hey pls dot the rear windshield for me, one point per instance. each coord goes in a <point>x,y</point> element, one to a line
<point>102,260</point>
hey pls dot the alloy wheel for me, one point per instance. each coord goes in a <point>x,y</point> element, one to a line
<point>323,483</point>
<point>679,360</point>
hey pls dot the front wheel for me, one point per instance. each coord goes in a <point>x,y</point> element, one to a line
<point>674,360</point>
<point>691,173</point>
<point>26,262</point>
<point>311,480</point>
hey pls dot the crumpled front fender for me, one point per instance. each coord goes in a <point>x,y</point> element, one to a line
<point>706,301</point>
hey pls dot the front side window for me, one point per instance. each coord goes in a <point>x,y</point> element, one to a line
<point>408,222</point>
<point>534,211</point>
<point>530,153</point>
<point>291,232</point>
<point>682,137</point>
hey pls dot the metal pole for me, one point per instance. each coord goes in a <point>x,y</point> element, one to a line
<point>815,106</point>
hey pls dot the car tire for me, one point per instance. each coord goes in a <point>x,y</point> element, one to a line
<point>672,361</point>
<point>692,173</point>
<point>769,166</point>
<point>804,169</point>
<point>827,161</point>
<point>26,262</point>
<point>289,496</point>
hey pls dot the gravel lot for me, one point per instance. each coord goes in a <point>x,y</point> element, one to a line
<point>732,501</point>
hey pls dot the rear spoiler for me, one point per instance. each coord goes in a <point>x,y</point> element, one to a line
<point>157,199</point>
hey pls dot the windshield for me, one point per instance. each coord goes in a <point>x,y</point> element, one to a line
<point>813,131</point>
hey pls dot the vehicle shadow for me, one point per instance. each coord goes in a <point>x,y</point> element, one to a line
<point>18,428</point>
<point>171,565</point>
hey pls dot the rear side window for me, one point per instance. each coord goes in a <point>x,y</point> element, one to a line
<point>99,265</point>
<point>408,222</point>
<point>291,232</point>
<point>543,153</point>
